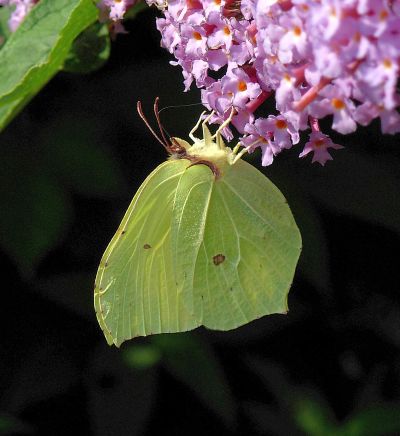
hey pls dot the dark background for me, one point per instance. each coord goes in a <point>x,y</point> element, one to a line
<point>69,166</point>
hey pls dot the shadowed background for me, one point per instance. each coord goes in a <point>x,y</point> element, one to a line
<point>70,164</point>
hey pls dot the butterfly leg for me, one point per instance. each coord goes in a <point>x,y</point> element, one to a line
<point>191,134</point>
<point>239,155</point>
<point>236,148</point>
<point>224,124</point>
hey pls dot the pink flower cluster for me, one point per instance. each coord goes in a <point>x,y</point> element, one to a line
<point>22,7</point>
<point>314,57</point>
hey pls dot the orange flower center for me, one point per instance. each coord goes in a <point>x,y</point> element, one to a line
<point>387,63</point>
<point>242,86</point>
<point>337,103</point>
<point>287,78</point>
<point>383,15</point>
<point>227,31</point>
<point>297,31</point>
<point>197,36</point>
<point>319,142</point>
<point>280,124</point>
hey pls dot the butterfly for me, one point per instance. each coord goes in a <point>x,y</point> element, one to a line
<point>207,240</point>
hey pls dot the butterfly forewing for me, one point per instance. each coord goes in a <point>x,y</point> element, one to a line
<point>135,290</point>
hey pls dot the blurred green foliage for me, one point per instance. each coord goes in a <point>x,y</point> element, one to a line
<point>90,50</point>
<point>37,180</point>
<point>71,162</point>
<point>142,356</point>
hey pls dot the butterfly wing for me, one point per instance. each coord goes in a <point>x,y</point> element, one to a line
<point>135,291</point>
<point>190,213</point>
<point>243,245</point>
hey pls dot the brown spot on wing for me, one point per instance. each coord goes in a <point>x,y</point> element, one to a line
<point>218,259</point>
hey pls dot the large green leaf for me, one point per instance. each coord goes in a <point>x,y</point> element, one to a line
<point>37,50</point>
<point>4,30</point>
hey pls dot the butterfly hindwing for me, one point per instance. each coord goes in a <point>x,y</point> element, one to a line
<point>244,245</point>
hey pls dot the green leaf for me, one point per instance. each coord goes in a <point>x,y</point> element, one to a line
<point>37,212</point>
<point>375,421</point>
<point>36,51</point>
<point>72,154</point>
<point>4,29</point>
<point>90,50</point>
<point>313,417</point>
<point>192,361</point>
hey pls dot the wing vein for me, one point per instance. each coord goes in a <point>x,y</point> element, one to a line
<point>249,206</point>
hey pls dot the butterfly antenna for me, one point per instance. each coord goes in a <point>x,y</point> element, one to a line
<point>157,114</point>
<point>163,142</point>
<point>175,106</point>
